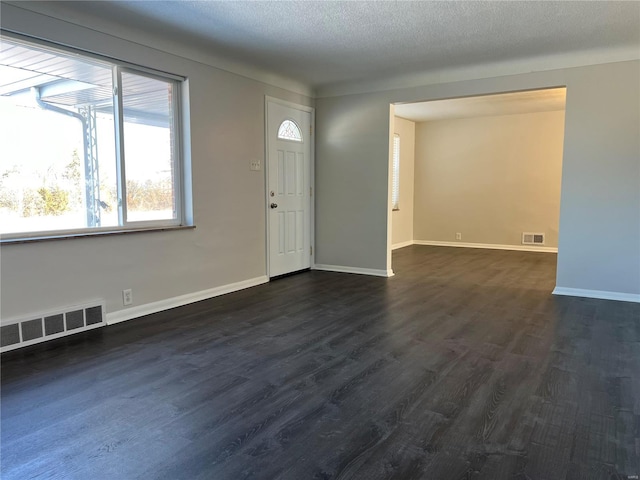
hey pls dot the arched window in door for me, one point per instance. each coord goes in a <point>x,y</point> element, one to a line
<point>289,131</point>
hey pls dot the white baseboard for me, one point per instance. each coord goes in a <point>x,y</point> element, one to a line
<point>359,271</point>
<point>604,295</point>
<point>396,246</point>
<point>159,306</point>
<point>489,246</point>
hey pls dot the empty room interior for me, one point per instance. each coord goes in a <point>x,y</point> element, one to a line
<point>319,240</point>
<point>479,172</point>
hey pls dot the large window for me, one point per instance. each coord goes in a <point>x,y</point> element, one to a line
<point>85,145</point>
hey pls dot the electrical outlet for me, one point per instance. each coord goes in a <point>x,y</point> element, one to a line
<point>254,165</point>
<point>458,236</point>
<point>127,297</point>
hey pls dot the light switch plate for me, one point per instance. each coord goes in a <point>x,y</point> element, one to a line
<point>254,165</point>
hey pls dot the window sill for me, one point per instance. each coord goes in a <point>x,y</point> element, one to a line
<point>71,236</point>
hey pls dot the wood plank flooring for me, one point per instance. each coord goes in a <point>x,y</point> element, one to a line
<point>462,366</point>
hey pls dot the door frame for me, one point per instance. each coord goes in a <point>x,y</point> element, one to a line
<point>312,203</point>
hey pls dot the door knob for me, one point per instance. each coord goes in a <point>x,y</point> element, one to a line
<point>274,205</point>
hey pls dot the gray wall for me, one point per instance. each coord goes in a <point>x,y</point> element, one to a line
<point>228,244</point>
<point>599,244</point>
<point>490,178</point>
<point>352,174</point>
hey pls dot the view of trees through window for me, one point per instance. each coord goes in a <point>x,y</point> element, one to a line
<point>42,177</point>
<point>60,168</point>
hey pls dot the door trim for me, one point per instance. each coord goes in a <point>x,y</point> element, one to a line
<point>312,183</point>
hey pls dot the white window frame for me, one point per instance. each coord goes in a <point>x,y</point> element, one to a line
<point>118,116</point>
<point>395,174</point>
<point>179,187</point>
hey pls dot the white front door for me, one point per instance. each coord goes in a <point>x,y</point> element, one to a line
<point>288,188</point>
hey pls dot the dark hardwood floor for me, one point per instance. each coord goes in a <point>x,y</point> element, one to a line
<point>462,366</point>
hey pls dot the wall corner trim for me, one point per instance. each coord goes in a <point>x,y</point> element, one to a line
<point>396,246</point>
<point>166,304</point>
<point>600,294</point>
<point>489,246</point>
<point>357,270</point>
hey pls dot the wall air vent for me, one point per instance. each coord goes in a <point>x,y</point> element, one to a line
<point>53,324</point>
<point>532,238</point>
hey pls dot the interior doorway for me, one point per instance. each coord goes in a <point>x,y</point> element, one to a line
<point>478,172</point>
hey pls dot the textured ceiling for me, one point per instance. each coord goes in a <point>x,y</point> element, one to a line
<point>332,42</point>
<point>551,99</point>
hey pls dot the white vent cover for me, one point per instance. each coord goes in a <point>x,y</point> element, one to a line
<point>532,238</point>
<point>53,324</point>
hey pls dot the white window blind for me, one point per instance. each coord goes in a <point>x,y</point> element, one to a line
<point>395,189</point>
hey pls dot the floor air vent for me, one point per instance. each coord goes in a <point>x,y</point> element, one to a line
<point>39,328</point>
<point>532,238</point>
